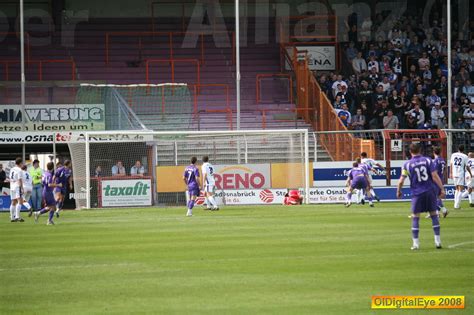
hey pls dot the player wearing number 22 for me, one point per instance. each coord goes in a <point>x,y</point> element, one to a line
<point>458,173</point>
<point>424,184</point>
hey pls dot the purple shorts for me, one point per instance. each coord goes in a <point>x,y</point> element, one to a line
<point>193,191</point>
<point>48,199</point>
<point>425,202</point>
<point>359,183</point>
<point>62,190</point>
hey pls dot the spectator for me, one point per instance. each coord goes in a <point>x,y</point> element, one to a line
<point>423,62</point>
<point>433,98</point>
<point>390,121</point>
<point>344,115</point>
<point>337,102</point>
<point>351,52</point>
<point>118,169</point>
<point>418,115</point>
<point>358,64</point>
<point>373,64</point>
<point>98,171</point>
<point>337,85</point>
<point>366,27</point>
<point>137,169</point>
<point>437,116</point>
<point>3,178</point>
<point>358,120</point>
<point>468,89</point>
<point>385,85</point>
<point>36,174</point>
<point>469,115</point>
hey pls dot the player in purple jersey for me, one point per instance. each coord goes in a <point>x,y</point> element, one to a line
<point>440,166</point>
<point>358,178</point>
<point>62,178</point>
<point>48,194</point>
<point>423,178</point>
<point>190,177</point>
<point>360,197</point>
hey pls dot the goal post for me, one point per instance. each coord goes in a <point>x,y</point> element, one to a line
<point>251,166</point>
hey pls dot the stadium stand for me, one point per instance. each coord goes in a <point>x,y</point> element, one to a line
<point>402,67</point>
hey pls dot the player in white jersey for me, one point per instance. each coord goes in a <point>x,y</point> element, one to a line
<point>458,166</point>
<point>371,163</point>
<point>27,189</point>
<point>208,183</point>
<point>16,186</point>
<point>470,182</point>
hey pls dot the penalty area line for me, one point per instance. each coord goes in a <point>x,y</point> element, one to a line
<point>68,266</point>
<point>460,244</point>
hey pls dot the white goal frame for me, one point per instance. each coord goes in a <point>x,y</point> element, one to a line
<point>303,132</point>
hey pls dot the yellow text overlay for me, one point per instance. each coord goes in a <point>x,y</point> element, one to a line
<point>421,301</point>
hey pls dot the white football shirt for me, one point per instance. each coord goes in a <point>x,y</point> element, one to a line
<point>15,177</point>
<point>458,164</point>
<point>27,181</point>
<point>470,164</point>
<point>369,162</point>
<point>208,169</point>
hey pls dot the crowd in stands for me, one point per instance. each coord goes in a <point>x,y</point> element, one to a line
<point>399,80</point>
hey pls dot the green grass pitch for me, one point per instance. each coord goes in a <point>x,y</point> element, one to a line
<point>319,259</point>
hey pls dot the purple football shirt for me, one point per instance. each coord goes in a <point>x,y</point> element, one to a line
<point>62,175</point>
<point>47,179</point>
<point>440,164</point>
<point>191,173</point>
<point>357,172</point>
<point>419,170</point>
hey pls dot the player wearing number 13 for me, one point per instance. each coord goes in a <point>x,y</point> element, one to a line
<point>458,166</point>
<point>424,179</point>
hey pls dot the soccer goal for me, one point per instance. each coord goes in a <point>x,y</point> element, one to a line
<point>144,168</point>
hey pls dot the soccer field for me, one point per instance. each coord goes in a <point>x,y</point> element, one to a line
<point>318,259</point>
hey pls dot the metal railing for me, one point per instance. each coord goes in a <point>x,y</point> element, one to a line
<point>40,64</point>
<point>172,62</point>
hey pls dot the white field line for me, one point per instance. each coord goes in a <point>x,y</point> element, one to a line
<point>49,267</point>
<point>460,244</point>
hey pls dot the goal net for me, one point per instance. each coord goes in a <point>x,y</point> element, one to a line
<point>143,168</point>
<point>167,106</point>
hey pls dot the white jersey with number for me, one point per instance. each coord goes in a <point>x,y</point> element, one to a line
<point>27,181</point>
<point>458,164</point>
<point>470,164</point>
<point>15,182</point>
<point>371,165</point>
<point>208,169</point>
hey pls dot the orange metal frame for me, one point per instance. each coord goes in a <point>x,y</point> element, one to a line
<point>295,110</point>
<point>40,64</point>
<point>172,62</point>
<point>272,75</point>
<point>197,88</point>
<point>171,35</point>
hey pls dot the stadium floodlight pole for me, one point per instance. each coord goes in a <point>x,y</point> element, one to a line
<point>22,79</point>
<point>237,62</point>
<point>450,77</point>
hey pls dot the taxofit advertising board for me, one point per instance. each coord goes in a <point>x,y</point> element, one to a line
<point>64,117</point>
<point>127,192</point>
